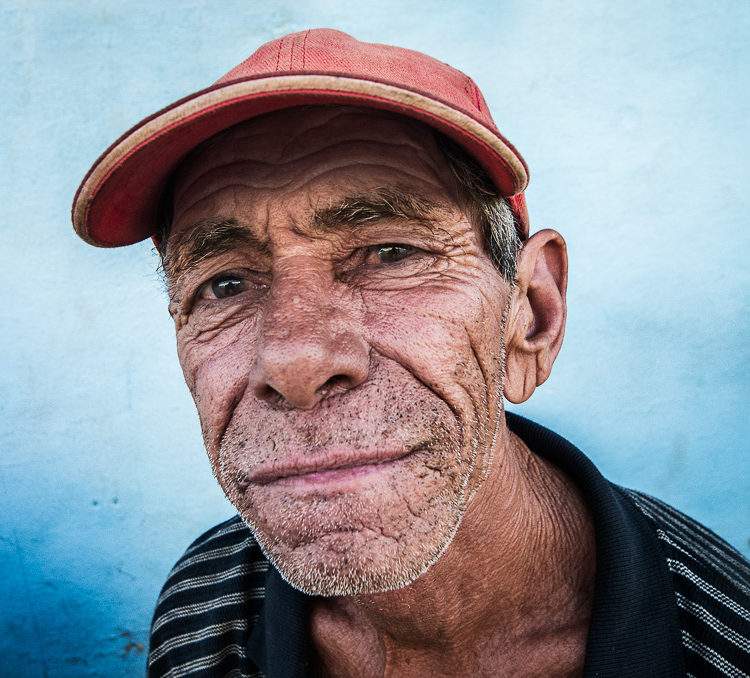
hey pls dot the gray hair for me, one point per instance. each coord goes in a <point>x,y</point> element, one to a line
<point>487,210</point>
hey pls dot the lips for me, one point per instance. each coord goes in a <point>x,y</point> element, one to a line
<point>324,464</point>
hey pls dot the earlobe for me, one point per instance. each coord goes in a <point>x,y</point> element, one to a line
<point>536,322</point>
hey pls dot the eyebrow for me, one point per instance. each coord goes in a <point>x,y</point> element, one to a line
<point>378,204</point>
<point>210,238</point>
<point>206,239</point>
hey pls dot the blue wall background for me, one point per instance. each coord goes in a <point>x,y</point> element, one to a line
<point>633,117</point>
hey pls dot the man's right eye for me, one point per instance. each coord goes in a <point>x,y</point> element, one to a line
<point>223,286</point>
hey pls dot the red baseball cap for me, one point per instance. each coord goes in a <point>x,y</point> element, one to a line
<point>118,199</point>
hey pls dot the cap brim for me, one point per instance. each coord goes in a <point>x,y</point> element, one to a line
<point>117,201</point>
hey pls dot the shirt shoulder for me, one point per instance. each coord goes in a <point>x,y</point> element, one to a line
<point>711,587</point>
<point>207,607</point>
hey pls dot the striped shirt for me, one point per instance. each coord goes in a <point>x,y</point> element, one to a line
<point>671,598</point>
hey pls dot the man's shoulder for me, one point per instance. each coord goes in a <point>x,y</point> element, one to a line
<point>208,604</point>
<point>712,588</point>
<point>692,548</point>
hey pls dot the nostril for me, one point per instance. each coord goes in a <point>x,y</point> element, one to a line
<point>268,393</point>
<point>338,382</point>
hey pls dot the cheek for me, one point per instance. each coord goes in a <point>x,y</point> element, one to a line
<point>449,337</point>
<point>216,365</point>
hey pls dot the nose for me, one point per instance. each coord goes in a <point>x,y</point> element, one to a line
<point>309,346</point>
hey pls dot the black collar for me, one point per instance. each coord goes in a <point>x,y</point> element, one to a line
<point>634,628</point>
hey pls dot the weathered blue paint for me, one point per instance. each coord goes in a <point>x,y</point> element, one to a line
<point>633,117</point>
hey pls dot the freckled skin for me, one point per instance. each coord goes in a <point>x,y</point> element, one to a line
<point>461,553</point>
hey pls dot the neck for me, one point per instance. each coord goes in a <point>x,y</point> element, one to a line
<point>515,585</point>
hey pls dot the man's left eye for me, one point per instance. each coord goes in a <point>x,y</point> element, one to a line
<point>391,253</point>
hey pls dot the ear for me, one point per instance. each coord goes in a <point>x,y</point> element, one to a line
<point>536,322</point>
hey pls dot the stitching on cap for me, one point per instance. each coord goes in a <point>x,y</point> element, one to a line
<point>468,92</point>
<point>278,54</point>
<point>304,53</point>
<point>291,54</point>
<point>473,91</point>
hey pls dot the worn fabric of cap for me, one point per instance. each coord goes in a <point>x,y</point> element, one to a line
<point>118,199</point>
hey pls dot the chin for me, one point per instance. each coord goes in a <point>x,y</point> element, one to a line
<point>354,544</point>
<point>348,563</point>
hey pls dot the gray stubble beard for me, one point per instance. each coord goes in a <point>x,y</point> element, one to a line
<point>326,566</point>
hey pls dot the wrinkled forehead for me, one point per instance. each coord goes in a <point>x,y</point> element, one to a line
<point>303,137</point>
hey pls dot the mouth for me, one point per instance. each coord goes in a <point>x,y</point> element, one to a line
<point>323,466</point>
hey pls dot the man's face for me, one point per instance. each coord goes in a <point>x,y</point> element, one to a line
<point>340,328</point>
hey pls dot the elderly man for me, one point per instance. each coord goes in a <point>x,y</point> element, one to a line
<point>354,290</point>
